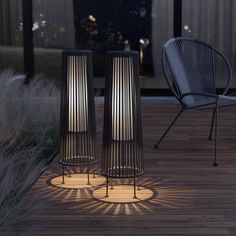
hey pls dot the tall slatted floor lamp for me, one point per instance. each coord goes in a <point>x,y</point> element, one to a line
<point>122,134</point>
<point>77,115</point>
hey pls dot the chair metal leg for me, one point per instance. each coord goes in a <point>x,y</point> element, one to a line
<point>167,130</point>
<point>212,124</point>
<point>215,163</point>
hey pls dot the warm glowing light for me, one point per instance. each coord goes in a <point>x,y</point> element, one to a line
<point>122,108</point>
<point>77,181</point>
<point>126,45</point>
<point>78,127</point>
<point>123,194</point>
<point>78,95</point>
<point>186,27</point>
<point>43,23</point>
<point>122,134</point>
<point>35,26</point>
<point>141,55</point>
<point>143,44</point>
<point>92,18</point>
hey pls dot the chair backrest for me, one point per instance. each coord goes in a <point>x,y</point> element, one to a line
<point>190,66</point>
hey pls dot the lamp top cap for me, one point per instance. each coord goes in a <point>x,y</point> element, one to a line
<point>77,51</point>
<point>122,53</point>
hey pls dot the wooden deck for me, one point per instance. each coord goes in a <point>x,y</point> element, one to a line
<point>191,197</point>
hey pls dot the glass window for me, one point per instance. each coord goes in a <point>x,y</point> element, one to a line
<point>11,35</point>
<point>141,25</point>
<point>53,29</point>
<point>114,25</point>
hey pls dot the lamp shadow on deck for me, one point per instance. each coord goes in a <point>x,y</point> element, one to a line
<point>77,181</point>
<point>161,194</point>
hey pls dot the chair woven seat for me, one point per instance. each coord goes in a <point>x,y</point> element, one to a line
<point>191,68</point>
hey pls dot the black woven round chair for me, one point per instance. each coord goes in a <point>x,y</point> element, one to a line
<point>192,68</point>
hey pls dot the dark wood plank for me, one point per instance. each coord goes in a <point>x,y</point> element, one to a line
<point>191,197</point>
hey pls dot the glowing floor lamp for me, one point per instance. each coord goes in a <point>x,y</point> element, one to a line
<point>122,134</point>
<point>77,123</point>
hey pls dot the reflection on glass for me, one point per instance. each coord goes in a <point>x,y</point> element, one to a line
<point>110,25</point>
<point>53,23</point>
<point>11,35</point>
<point>113,25</point>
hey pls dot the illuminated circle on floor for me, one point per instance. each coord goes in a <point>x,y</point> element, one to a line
<point>77,181</point>
<point>123,194</point>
